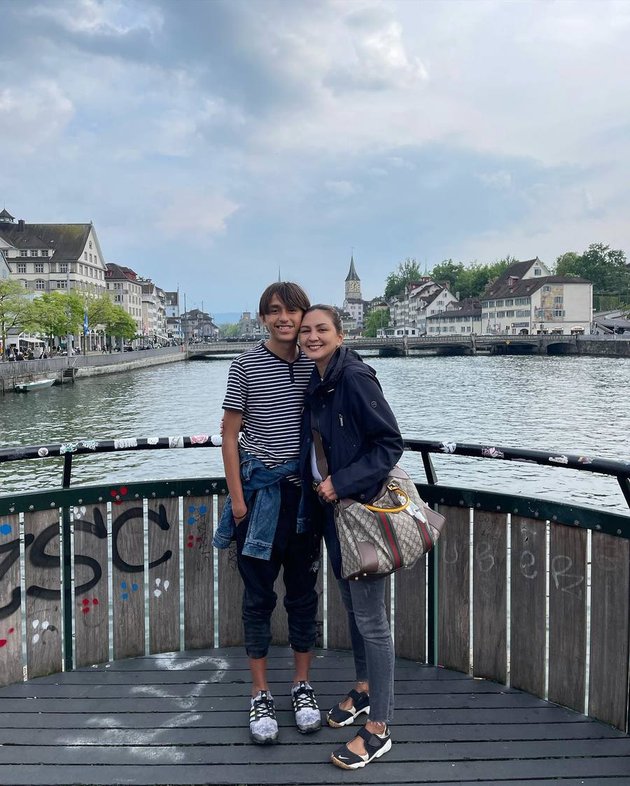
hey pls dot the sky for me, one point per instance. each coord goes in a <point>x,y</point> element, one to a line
<point>219,144</point>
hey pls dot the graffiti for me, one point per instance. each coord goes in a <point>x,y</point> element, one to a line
<point>197,516</point>
<point>38,555</point>
<point>126,588</point>
<point>40,627</point>
<point>161,586</point>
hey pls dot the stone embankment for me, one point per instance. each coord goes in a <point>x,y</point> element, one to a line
<point>67,369</point>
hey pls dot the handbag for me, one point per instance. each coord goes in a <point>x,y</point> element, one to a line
<point>391,532</point>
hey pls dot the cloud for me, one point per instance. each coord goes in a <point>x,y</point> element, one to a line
<point>381,59</point>
<point>340,188</point>
<point>197,213</point>
<point>32,115</point>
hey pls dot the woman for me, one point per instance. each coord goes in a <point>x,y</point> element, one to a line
<point>350,442</point>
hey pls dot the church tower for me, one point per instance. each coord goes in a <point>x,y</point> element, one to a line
<point>353,303</point>
<point>353,283</point>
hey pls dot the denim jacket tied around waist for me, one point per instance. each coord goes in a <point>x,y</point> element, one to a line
<point>262,519</point>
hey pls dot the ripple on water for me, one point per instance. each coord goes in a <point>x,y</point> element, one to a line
<point>574,405</point>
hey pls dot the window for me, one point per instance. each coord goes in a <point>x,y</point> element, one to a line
<point>537,271</point>
<point>498,303</point>
<point>63,267</point>
<point>21,267</point>
<point>558,312</point>
<point>117,298</point>
<point>44,252</point>
<point>90,244</point>
<point>546,288</point>
<point>500,314</point>
<point>85,255</point>
<point>558,300</point>
<point>23,253</point>
<point>521,301</point>
<point>34,252</point>
<point>39,284</point>
<point>509,313</point>
<point>39,267</point>
<point>509,302</point>
<point>61,284</point>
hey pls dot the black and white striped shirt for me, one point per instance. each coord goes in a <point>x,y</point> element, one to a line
<point>269,393</point>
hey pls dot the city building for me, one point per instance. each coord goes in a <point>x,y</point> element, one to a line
<point>51,257</point>
<point>463,318</point>
<point>153,312</point>
<point>173,320</point>
<point>197,325</point>
<point>250,327</point>
<point>527,298</point>
<point>409,310</point>
<point>5,270</point>
<point>125,290</point>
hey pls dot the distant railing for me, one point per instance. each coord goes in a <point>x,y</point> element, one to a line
<point>528,592</point>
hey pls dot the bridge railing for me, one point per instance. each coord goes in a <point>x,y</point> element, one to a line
<point>528,592</point>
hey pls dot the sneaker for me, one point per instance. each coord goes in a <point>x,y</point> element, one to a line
<point>375,745</point>
<point>263,726</point>
<point>307,715</point>
<point>360,703</point>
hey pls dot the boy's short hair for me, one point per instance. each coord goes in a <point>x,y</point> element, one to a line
<point>292,295</point>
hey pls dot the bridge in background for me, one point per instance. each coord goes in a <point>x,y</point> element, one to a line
<point>438,345</point>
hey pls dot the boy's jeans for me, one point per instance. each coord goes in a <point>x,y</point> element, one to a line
<point>299,555</point>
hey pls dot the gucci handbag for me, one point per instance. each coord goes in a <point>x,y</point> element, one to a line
<point>391,532</point>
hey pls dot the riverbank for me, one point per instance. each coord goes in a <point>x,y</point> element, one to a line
<point>66,369</point>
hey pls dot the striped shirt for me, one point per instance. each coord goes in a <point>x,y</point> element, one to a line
<point>269,393</point>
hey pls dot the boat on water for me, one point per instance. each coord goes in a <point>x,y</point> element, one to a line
<point>37,384</point>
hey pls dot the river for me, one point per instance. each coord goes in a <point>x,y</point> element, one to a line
<point>561,404</point>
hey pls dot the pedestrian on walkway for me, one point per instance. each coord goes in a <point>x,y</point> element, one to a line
<point>263,404</point>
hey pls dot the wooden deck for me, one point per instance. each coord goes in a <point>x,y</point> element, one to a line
<point>182,719</point>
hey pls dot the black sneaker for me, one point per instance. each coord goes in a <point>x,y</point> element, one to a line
<point>375,745</point>
<point>263,726</point>
<point>307,715</point>
<point>360,703</point>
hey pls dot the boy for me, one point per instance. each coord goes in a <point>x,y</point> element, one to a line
<point>264,399</point>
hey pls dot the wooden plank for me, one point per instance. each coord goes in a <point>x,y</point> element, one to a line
<point>128,578</point>
<point>230,593</point>
<point>453,590</point>
<point>163,522</point>
<point>198,572</point>
<point>42,575</point>
<point>610,593</point>
<point>410,599</point>
<point>490,596</point>
<point>11,662</point>
<point>337,630</point>
<point>567,616</point>
<point>91,584</point>
<point>527,605</point>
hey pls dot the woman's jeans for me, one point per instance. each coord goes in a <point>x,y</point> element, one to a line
<point>372,645</point>
<point>299,555</point>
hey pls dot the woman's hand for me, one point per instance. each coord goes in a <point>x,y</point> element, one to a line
<point>326,490</point>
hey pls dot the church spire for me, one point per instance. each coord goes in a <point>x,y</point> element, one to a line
<point>352,273</point>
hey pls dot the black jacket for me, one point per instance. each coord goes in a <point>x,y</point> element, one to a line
<point>359,432</point>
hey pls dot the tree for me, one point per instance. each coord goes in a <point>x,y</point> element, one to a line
<point>407,272</point>
<point>230,330</point>
<point>602,265</point>
<point>54,314</point>
<point>13,307</point>
<point>470,281</point>
<point>376,319</point>
<point>120,324</point>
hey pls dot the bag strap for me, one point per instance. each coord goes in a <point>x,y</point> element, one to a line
<point>320,456</point>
